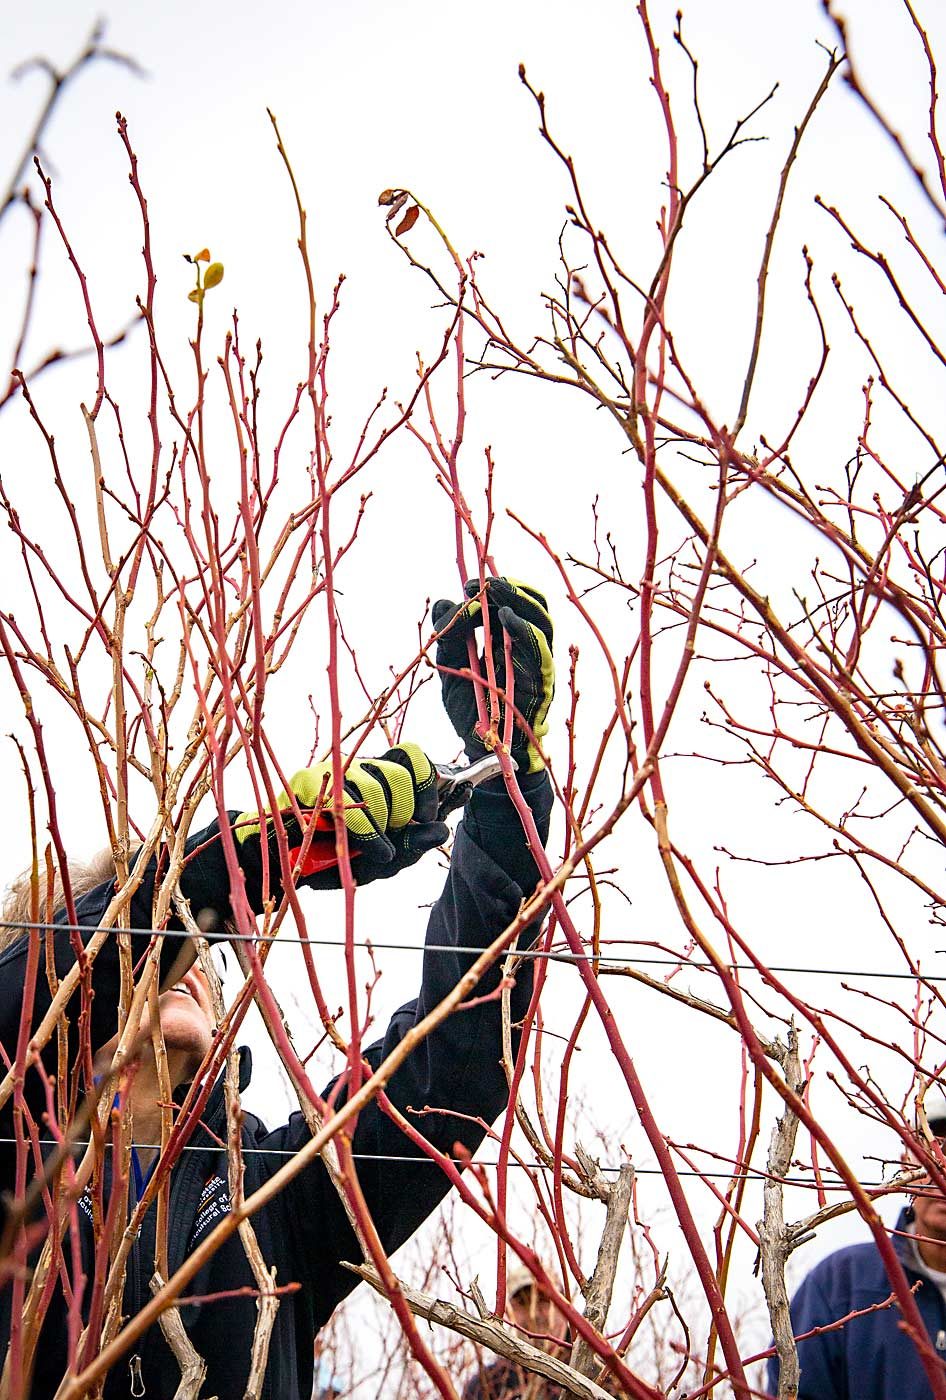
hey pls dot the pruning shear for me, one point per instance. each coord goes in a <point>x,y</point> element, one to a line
<point>455,782</point>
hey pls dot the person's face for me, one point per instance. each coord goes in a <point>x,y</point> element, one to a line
<point>532,1312</point>
<point>929,1210</point>
<point>187,1021</point>
<point>930,1215</point>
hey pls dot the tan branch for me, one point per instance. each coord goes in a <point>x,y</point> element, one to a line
<point>192,1364</point>
<point>493,1335</point>
<point>601,1284</point>
<point>774,1238</point>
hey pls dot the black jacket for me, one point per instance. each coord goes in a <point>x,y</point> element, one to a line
<point>505,1380</point>
<point>304,1231</point>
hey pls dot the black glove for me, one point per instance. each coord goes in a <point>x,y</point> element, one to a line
<point>390,812</point>
<point>522,612</point>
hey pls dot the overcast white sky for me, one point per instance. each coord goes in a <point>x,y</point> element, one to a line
<point>426,95</point>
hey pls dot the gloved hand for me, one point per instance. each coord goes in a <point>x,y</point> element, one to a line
<point>390,812</point>
<point>523,613</point>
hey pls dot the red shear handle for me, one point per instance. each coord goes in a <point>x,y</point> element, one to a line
<point>322,853</point>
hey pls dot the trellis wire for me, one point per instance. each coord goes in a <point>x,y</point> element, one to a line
<point>523,1166</point>
<point>535,954</point>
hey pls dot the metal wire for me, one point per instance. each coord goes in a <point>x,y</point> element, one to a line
<point>532,953</point>
<point>535,954</point>
<point>755,1175</point>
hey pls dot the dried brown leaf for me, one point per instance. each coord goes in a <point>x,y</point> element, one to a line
<point>408,221</point>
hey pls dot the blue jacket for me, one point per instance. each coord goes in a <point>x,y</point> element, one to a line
<point>304,1231</point>
<point>870,1357</point>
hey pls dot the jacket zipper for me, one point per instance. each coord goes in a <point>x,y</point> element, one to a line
<point>134,1361</point>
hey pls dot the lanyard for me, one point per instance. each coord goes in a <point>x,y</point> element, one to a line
<point>140,1178</point>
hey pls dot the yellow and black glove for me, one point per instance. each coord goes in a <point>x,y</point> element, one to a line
<point>390,810</point>
<point>522,612</point>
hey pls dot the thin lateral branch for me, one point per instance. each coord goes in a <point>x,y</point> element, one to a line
<point>59,80</point>
<point>853,80</point>
<point>799,1231</point>
<point>698,111</point>
<point>865,738</point>
<point>834,61</point>
<point>708,1008</point>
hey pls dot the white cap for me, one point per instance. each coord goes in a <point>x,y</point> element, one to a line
<point>518,1277</point>
<point>934,1106</point>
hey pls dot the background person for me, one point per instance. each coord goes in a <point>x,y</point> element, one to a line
<point>540,1323</point>
<point>872,1357</point>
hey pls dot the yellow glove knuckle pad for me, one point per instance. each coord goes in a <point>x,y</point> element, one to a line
<point>541,725</point>
<point>525,590</point>
<point>421,765</point>
<point>366,804</point>
<point>373,815</point>
<point>308,787</point>
<point>246,826</point>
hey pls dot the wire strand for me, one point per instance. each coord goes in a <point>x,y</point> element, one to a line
<point>752,1175</point>
<point>534,954</point>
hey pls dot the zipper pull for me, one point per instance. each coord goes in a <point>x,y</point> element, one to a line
<point>941,1340</point>
<point>137,1384</point>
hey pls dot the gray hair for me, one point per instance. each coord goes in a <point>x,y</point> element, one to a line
<point>17,908</point>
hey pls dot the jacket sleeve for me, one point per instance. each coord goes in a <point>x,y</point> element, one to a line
<point>820,1358</point>
<point>203,881</point>
<point>456,1068</point>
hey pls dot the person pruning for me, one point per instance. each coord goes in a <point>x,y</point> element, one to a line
<point>393,817</point>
